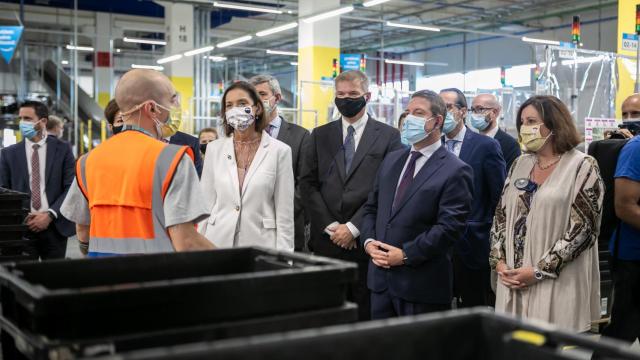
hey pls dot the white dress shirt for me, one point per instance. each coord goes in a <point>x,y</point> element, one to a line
<point>427,152</point>
<point>42,155</point>
<point>358,126</point>
<point>460,138</point>
<point>492,133</point>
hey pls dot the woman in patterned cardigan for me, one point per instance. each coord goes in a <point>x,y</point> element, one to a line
<point>544,235</point>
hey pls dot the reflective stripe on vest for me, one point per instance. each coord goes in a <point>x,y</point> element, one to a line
<point>125,180</point>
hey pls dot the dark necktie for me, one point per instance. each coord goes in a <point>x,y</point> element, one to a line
<point>349,148</point>
<point>451,145</point>
<point>36,201</point>
<point>407,178</point>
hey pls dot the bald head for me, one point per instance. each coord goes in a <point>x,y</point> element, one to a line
<point>631,107</point>
<point>140,85</point>
<point>486,101</point>
<point>489,106</point>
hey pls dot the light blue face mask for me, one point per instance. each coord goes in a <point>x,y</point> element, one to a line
<point>413,129</point>
<point>478,121</point>
<point>450,123</point>
<point>28,129</point>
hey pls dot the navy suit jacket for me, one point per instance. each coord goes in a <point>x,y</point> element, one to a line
<point>484,156</point>
<point>510,147</point>
<point>183,139</point>
<point>426,224</point>
<point>59,174</point>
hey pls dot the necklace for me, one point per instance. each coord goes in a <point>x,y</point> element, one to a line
<point>545,167</point>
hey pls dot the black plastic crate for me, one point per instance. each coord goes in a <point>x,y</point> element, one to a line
<point>74,299</point>
<point>17,343</point>
<point>12,217</point>
<point>464,334</point>
<point>12,232</point>
<point>13,248</point>
<point>13,200</point>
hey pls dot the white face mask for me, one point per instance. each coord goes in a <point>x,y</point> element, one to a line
<point>240,117</point>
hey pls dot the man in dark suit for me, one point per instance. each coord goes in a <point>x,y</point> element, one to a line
<point>472,279</point>
<point>485,110</point>
<point>415,214</point>
<point>341,163</point>
<point>180,138</point>
<point>293,135</point>
<point>42,166</point>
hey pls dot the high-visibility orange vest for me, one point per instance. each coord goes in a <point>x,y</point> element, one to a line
<point>125,181</point>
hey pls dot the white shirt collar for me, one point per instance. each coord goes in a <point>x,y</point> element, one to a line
<point>277,122</point>
<point>429,150</point>
<point>460,136</point>
<point>41,142</point>
<point>357,125</point>
<point>492,133</point>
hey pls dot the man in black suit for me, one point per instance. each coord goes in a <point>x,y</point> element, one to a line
<point>342,161</point>
<point>293,135</point>
<point>44,167</point>
<point>180,138</point>
<point>485,110</point>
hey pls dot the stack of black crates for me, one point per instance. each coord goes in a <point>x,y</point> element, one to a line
<point>13,211</point>
<point>67,309</point>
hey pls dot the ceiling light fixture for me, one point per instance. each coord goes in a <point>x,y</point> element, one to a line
<point>216,58</point>
<point>64,62</point>
<point>79,48</point>
<point>199,51</point>
<point>328,14</point>
<point>279,52</point>
<point>294,63</point>
<point>374,3</point>
<point>246,7</point>
<point>169,59</point>
<point>413,27</point>
<point>277,29</point>
<point>149,67</point>
<point>540,41</point>
<point>400,62</point>
<point>235,41</point>
<point>144,41</point>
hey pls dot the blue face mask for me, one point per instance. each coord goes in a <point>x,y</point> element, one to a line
<point>450,123</point>
<point>28,129</point>
<point>478,121</point>
<point>413,129</point>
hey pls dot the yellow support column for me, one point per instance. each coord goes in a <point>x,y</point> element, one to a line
<point>318,45</point>
<point>626,67</point>
<point>103,130</point>
<point>81,137</point>
<point>89,135</point>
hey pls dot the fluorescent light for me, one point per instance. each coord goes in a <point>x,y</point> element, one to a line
<point>64,62</point>
<point>374,3</point>
<point>144,41</point>
<point>400,62</point>
<point>294,63</point>
<point>277,29</point>
<point>118,50</point>
<point>79,48</point>
<point>246,7</point>
<point>279,52</point>
<point>328,14</point>
<point>540,41</point>
<point>414,27</point>
<point>199,51</point>
<point>216,58</point>
<point>169,59</point>
<point>235,41</point>
<point>149,67</point>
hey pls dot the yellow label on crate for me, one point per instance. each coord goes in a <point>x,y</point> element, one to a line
<point>529,337</point>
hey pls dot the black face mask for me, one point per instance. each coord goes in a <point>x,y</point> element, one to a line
<point>203,148</point>
<point>350,107</point>
<point>117,129</point>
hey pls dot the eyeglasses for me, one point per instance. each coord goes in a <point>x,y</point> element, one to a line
<point>453,107</point>
<point>480,109</point>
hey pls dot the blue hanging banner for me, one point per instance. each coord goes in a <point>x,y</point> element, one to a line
<point>9,39</point>
<point>349,62</point>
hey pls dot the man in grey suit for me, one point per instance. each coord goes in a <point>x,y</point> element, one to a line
<point>342,161</point>
<point>293,135</point>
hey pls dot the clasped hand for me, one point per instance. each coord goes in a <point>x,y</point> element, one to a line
<point>515,279</point>
<point>384,255</point>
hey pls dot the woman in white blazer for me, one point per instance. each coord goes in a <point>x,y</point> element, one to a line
<point>247,179</point>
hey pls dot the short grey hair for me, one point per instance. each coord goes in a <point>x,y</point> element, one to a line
<point>438,107</point>
<point>353,76</point>
<point>274,85</point>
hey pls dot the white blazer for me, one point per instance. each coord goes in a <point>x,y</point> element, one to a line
<point>263,215</point>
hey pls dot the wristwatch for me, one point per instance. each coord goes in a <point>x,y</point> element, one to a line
<point>537,274</point>
<point>404,258</point>
<point>51,216</point>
